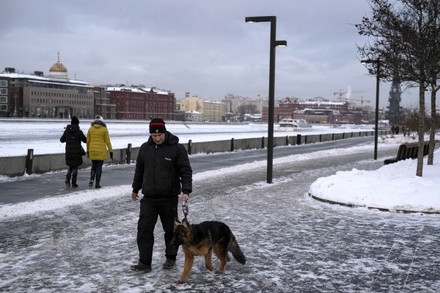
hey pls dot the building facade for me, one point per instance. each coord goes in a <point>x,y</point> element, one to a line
<point>319,110</point>
<point>103,105</point>
<point>141,103</point>
<point>211,111</point>
<point>5,100</point>
<point>233,103</point>
<point>54,96</point>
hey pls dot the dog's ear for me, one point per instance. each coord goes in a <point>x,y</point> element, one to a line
<point>185,222</point>
<point>176,221</point>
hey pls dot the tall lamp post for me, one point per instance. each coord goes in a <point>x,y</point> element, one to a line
<point>273,43</point>
<point>376,120</point>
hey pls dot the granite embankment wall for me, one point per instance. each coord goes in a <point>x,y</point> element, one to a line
<point>20,165</point>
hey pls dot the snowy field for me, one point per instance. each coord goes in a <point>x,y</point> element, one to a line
<point>85,242</point>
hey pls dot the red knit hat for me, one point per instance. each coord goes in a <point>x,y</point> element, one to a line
<point>157,125</point>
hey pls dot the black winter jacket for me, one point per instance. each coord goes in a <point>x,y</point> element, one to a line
<point>162,171</point>
<point>73,136</point>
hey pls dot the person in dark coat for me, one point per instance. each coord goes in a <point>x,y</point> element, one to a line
<point>162,172</point>
<point>73,136</point>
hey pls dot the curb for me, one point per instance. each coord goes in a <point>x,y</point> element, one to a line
<point>350,205</point>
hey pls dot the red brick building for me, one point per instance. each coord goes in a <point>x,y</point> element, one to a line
<point>140,103</point>
<point>317,110</point>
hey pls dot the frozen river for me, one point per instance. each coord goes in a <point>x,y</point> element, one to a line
<point>17,136</point>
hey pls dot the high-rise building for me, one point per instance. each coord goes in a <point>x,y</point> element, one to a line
<point>394,109</point>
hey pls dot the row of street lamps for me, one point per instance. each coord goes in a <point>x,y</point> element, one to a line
<point>273,44</point>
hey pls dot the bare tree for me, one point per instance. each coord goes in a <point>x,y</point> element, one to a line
<point>406,39</point>
<point>433,124</point>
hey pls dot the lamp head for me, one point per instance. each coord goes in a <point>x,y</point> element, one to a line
<point>252,19</point>
<point>281,43</point>
<point>369,61</point>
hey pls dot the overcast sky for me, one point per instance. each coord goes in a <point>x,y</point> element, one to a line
<point>198,46</point>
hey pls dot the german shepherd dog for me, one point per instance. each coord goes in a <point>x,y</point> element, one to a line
<point>203,239</point>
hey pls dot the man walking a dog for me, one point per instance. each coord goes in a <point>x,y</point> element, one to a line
<point>163,172</point>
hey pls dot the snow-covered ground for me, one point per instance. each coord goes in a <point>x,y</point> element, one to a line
<point>85,242</point>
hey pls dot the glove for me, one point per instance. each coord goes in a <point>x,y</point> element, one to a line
<point>111,155</point>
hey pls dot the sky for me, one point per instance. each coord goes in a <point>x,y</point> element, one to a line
<point>201,47</point>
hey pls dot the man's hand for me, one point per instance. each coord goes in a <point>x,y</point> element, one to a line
<point>134,196</point>
<point>185,197</point>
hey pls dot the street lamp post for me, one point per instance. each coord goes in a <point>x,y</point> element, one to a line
<point>376,120</point>
<point>273,44</point>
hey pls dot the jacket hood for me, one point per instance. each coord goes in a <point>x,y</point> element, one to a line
<point>72,128</point>
<point>99,122</point>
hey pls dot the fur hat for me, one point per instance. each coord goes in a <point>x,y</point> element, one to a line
<point>75,120</point>
<point>157,125</point>
<point>99,117</point>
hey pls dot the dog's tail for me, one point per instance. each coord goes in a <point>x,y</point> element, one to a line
<point>234,248</point>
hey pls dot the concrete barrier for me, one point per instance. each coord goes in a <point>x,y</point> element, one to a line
<point>314,138</point>
<point>20,165</point>
<point>326,137</point>
<point>249,143</point>
<point>13,166</point>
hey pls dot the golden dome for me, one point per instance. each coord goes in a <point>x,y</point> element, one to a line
<point>58,66</point>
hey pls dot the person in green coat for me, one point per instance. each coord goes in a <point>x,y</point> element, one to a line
<point>98,147</point>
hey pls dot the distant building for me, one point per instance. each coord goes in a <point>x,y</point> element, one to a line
<point>318,110</point>
<point>211,111</point>
<point>56,96</point>
<point>142,103</point>
<point>103,104</point>
<point>253,118</point>
<point>193,116</point>
<point>394,109</point>
<point>289,107</point>
<point>233,103</point>
<point>5,104</point>
<point>38,96</point>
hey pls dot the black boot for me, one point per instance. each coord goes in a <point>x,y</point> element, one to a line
<point>69,173</point>
<point>98,179</point>
<point>74,175</point>
<point>92,177</point>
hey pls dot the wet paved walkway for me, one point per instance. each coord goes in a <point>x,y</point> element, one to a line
<point>292,242</point>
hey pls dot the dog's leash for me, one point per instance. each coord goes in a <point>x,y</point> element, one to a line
<point>185,208</point>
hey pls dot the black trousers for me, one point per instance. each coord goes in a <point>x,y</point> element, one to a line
<point>150,210</point>
<point>97,165</point>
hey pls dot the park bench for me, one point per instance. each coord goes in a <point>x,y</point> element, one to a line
<point>408,151</point>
